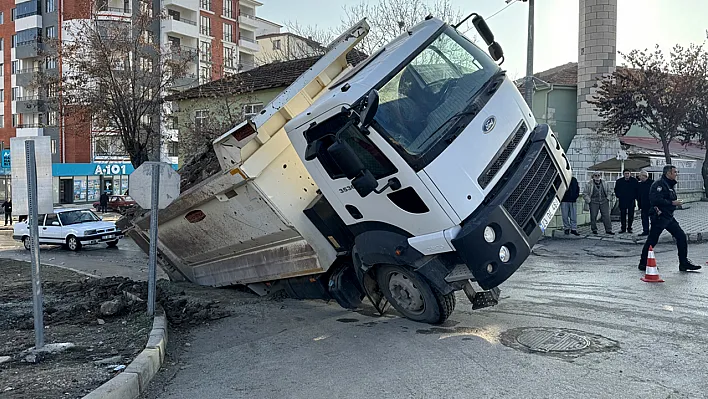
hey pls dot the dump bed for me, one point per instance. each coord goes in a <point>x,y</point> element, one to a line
<point>246,224</point>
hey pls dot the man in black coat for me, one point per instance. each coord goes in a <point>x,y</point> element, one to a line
<point>626,189</point>
<point>103,202</point>
<point>645,183</point>
<point>663,200</point>
<point>7,206</point>
<point>568,210</point>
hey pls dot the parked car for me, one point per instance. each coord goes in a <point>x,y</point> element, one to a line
<point>117,203</point>
<point>72,228</point>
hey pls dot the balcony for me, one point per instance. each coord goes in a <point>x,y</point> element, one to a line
<point>184,53</point>
<point>29,130</point>
<point>185,82</point>
<point>186,4</point>
<point>31,105</point>
<point>248,45</point>
<point>29,21</point>
<point>29,49</point>
<point>182,26</point>
<point>107,11</point>
<point>248,21</point>
<point>24,77</point>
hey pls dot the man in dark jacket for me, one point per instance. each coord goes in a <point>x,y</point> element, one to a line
<point>103,202</point>
<point>626,192</point>
<point>663,200</point>
<point>7,206</point>
<point>570,215</point>
<point>645,183</point>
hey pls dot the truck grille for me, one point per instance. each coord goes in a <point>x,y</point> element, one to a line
<point>533,190</point>
<point>500,159</point>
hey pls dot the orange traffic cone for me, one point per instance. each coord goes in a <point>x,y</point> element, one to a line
<point>651,275</point>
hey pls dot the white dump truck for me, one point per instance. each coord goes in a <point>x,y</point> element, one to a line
<point>415,174</point>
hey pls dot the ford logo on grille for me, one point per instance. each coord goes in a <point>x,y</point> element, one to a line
<point>489,124</point>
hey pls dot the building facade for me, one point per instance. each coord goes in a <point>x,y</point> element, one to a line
<point>220,36</point>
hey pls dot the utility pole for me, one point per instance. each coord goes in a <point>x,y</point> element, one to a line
<point>528,86</point>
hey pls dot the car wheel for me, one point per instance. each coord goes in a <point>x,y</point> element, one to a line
<point>73,243</point>
<point>26,242</point>
<point>112,244</point>
<point>412,295</point>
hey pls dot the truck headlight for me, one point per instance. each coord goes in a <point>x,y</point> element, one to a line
<point>489,234</point>
<point>504,254</point>
<point>89,232</point>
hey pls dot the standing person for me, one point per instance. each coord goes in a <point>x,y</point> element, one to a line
<point>626,189</point>
<point>570,215</point>
<point>7,206</point>
<point>103,202</point>
<point>645,183</point>
<point>663,200</point>
<point>596,195</point>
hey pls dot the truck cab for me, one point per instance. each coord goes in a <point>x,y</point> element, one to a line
<point>429,159</point>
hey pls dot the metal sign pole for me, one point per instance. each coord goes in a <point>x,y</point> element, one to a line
<point>152,267</point>
<point>34,241</point>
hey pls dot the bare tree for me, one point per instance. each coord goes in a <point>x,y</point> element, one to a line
<point>387,19</point>
<point>696,124</point>
<point>652,92</point>
<point>116,73</point>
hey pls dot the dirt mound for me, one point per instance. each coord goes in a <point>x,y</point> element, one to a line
<point>199,167</point>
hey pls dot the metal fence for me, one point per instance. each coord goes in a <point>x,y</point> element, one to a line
<point>687,182</point>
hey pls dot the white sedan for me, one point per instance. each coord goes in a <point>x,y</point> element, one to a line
<point>73,228</point>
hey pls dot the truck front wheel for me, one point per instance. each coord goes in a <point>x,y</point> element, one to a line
<point>412,296</point>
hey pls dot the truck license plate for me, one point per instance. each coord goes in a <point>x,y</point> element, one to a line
<point>108,237</point>
<point>549,214</point>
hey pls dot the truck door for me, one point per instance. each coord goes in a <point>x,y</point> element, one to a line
<point>406,204</point>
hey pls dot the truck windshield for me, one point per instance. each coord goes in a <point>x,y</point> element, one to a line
<point>419,105</point>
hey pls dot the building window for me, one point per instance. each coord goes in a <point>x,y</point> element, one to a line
<point>2,44</point>
<point>14,41</point>
<point>146,8</point>
<point>251,110</point>
<point>52,118</point>
<point>51,5</point>
<point>13,15</point>
<point>173,148</point>
<point>205,25</point>
<point>2,69</point>
<point>200,118</point>
<point>15,93</point>
<point>14,120</point>
<point>276,44</point>
<point>15,67</point>
<point>172,122</point>
<point>204,74</point>
<point>51,31</point>
<point>54,146</point>
<point>51,63</point>
<point>2,97</point>
<point>229,57</point>
<point>228,9</point>
<point>2,120</point>
<point>145,64</point>
<point>205,4</point>
<point>205,51</point>
<point>228,33</point>
<point>2,17</point>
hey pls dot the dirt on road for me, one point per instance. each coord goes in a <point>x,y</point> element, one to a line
<point>104,318</point>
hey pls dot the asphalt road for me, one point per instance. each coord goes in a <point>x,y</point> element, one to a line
<point>641,340</point>
<point>96,260</point>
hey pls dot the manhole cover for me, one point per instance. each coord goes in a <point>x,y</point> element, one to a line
<point>543,340</point>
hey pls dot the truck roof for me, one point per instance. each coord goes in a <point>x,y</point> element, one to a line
<point>375,69</point>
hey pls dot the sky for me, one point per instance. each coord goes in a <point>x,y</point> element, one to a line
<point>641,24</point>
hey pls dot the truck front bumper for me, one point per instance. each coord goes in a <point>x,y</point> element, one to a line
<point>517,209</point>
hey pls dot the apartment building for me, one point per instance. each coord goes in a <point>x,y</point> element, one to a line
<point>220,36</point>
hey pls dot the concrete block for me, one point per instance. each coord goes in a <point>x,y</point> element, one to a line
<point>145,365</point>
<point>159,321</point>
<point>158,340</point>
<point>123,386</point>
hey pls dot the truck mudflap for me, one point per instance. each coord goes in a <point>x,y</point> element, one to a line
<point>517,210</point>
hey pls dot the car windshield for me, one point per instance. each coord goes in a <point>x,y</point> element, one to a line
<point>417,103</point>
<point>76,217</point>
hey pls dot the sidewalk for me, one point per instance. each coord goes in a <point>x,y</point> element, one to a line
<point>693,220</point>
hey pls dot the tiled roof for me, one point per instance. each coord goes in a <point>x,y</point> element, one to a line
<point>565,75</point>
<point>269,76</point>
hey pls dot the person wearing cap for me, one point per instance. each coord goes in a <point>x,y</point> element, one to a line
<point>645,183</point>
<point>663,201</point>
<point>596,196</point>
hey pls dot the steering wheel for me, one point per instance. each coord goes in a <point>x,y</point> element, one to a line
<point>444,90</point>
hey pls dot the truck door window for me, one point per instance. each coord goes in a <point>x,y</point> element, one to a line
<point>343,127</point>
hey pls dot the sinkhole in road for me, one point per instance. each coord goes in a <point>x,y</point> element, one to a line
<point>561,342</point>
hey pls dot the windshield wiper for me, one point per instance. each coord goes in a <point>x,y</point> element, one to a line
<point>454,118</point>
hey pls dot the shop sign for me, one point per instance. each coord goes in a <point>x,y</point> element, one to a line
<point>109,169</point>
<point>6,159</point>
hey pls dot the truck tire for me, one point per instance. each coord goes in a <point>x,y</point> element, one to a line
<point>412,296</point>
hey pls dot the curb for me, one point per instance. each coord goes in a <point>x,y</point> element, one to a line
<point>134,379</point>
<point>629,239</point>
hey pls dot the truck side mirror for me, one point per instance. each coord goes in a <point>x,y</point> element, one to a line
<point>495,50</point>
<point>368,113</point>
<point>365,184</point>
<point>347,160</point>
